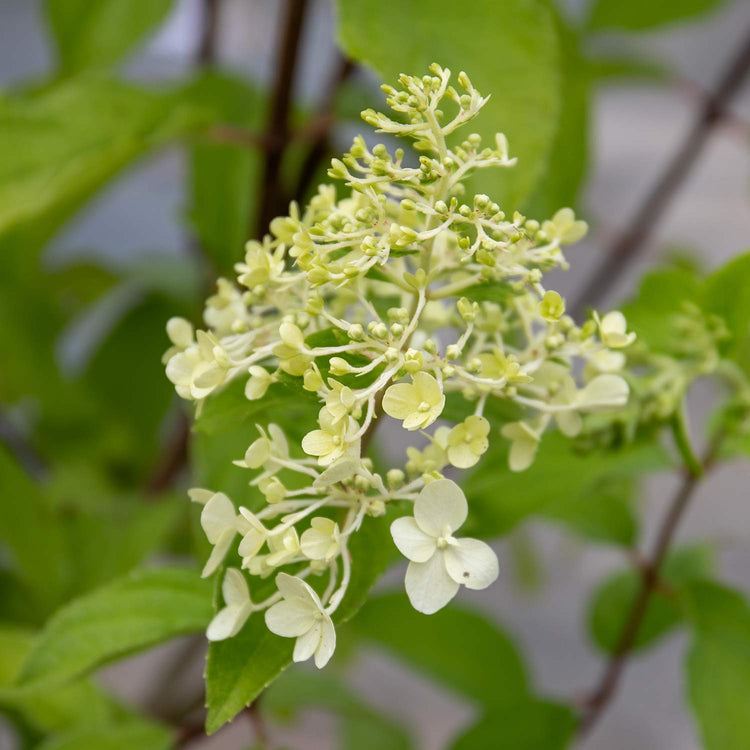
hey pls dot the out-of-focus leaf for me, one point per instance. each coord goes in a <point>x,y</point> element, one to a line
<point>568,160</point>
<point>359,725</point>
<point>726,294</point>
<point>458,648</point>
<point>637,15</point>
<point>62,144</point>
<point>562,478</point>
<point>223,178</point>
<point>529,725</point>
<point>239,668</point>
<point>603,512</point>
<point>125,735</point>
<point>612,69</point>
<point>31,534</point>
<point>75,704</point>
<point>718,666</point>
<point>613,599</point>
<point>509,50</point>
<point>99,32</point>
<point>127,615</point>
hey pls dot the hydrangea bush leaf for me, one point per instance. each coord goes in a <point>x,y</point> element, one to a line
<point>615,596</point>
<point>97,33</point>
<point>718,665</point>
<point>130,614</point>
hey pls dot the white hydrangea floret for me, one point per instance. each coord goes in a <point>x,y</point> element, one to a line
<point>229,620</point>
<point>300,615</point>
<point>439,562</point>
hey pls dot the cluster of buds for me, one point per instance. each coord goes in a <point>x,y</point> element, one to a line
<point>384,302</point>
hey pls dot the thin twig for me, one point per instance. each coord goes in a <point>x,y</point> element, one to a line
<point>206,54</point>
<point>277,127</point>
<point>650,569</point>
<point>631,242</point>
<point>258,724</point>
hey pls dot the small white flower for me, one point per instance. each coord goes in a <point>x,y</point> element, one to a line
<point>282,546</point>
<point>613,330</point>
<point>468,441</point>
<point>322,540</point>
<point>266,451</point>
<point>229,620</point>
<point>603,392</point>
<point>331,440</point>
<point>524,444</point>
<point>254,534</point>
<point>219,522</point>
<point>440,563</point>
<point>258,383</point>
<point>300,615</point>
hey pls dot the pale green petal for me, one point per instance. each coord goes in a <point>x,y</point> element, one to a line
<point>400,400</point>
<point>462,456</point>
<point>569,422</point>
<point>344,468</point>
<point>251,543</point>
<point>522,452</point>
<point>428,389</point>
<point>294,587</point>
<point>416,420</point>
<point>411,541</point>
<point>317,443</point>
<point>428,585</point>
<point>439,506</point>
<point>472,563</point>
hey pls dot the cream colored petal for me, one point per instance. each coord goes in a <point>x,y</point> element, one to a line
<point>218,553</point>
<point>411,541</point>
<point>417,420</point>
<point>604,392</point>
<point>228,622</point>
<point>343,468</point>
<point>522,452</point>
<point>428,585</point>
<point>217,515</point>
<point>288,619</point>
<point>400,401</point>
<point>327,644</point>
<point>294,587</point>
<point>306,643</point>
<point>439,506</point>
<point>251,543</point>
<point>314,544</point>
<point>569,422</point>
<point>234,588</point>
<point>472,563</point>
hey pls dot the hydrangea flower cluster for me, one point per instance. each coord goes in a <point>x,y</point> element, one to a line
<point>385,301</point>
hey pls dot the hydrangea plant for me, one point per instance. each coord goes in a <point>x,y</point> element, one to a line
<point>390,291</point>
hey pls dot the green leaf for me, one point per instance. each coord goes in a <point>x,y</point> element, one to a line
<point>509,50</point>
<point>62,707</point>
<point>59,146</point>
<point>726,294</point>
<point>529,725</point>
<point>239,668</point>
<point>567,165</point>
<point>561,481</point>
<point>223,177</point>
<point>360,726</point>
<point>456,647</point>
<point>718,666</point>
<point>614,598</point>
<point>128,615</point>
<point>32,535</point>
<point>637,15</point>
<point>135,733</point>
<point>100,32</point>
<point>602,512</point>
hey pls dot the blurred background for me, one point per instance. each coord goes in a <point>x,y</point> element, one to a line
<point>146,246</point>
